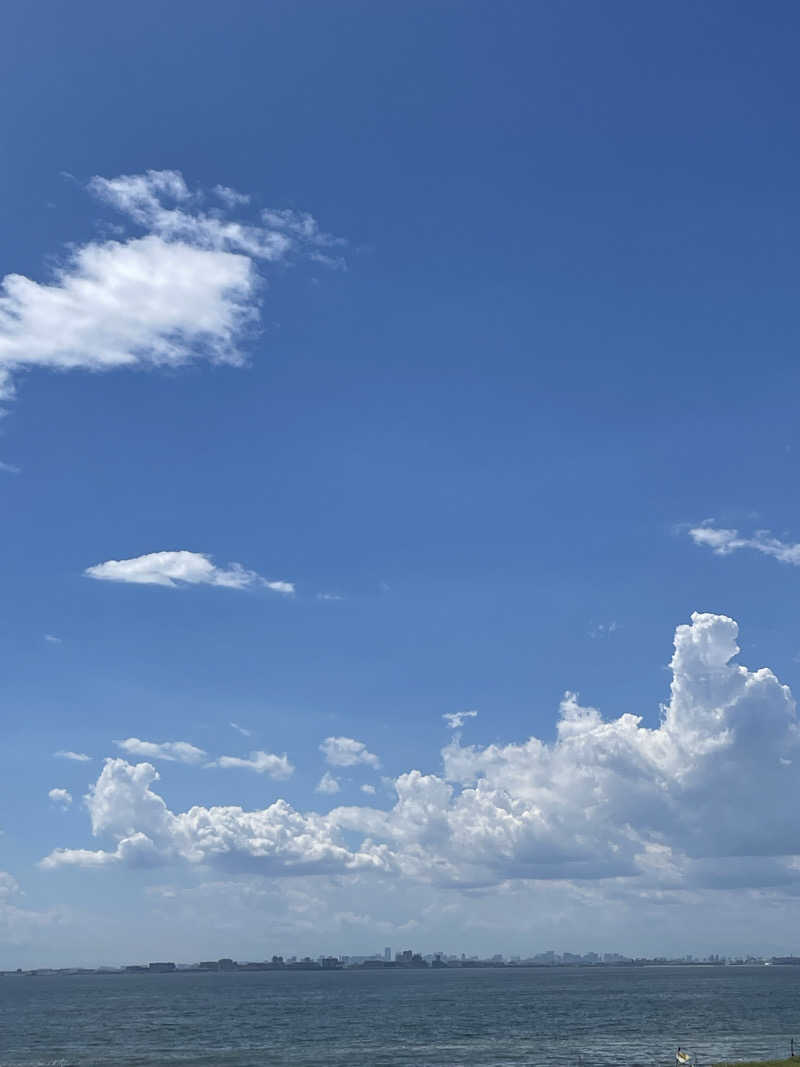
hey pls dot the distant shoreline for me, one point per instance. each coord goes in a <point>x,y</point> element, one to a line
<point>314,966</point>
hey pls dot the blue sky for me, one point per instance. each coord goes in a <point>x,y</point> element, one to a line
<point>544,329</point>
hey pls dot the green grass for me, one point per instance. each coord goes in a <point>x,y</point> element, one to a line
<point>762,1063</point>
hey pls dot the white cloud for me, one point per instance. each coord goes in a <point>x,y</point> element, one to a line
<point>346,752</point>
<point>328,784</point>
<point>175,569</point>
<point>188,287</point>
<point>276,840</point>
<point>241,729</point>
<point>723,542</point>
<point>61,797</point>
<point>230,197</point>
<point>52,639</point>
<point>455,719</point>
<point>287,588</point>
<point>329,596</point>
<point>260,762</point>
<point>698,801</point>
<point>174,751</point>
<point>78,757</point>
<point>9,468</point>
<point>369,789</point>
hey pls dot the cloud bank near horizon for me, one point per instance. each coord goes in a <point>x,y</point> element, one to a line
<point>698,801</point>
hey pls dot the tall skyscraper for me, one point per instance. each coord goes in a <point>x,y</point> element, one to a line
<point>387,954</point>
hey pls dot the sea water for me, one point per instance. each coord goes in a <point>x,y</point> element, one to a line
<point>553,1017</point>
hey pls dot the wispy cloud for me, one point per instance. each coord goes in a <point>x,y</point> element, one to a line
<point>174,751</point>
<point>230,197</point>
<point>180,568</point>
<point>52,639</point>
<point>455,719</point>
<point>329,596</point>
<point>260,762</point>
<point>347,752</point>
<point>723,542</point>
<point>241,729</point>
<point>187,285</point>
<point>9,468</point>
<point>78,757</point>
<point>604,629</point>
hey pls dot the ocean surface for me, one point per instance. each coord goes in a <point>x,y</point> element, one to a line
<point>492,1018</point>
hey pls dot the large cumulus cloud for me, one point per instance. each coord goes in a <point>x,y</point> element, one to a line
<point>698,800</point>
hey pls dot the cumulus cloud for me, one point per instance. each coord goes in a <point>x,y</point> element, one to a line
<point>346,752</point>
<point>723,542</point>
<point>260,762</point>
<point>455,719</point>
<point>180,568</point>
<point>174,751</point>
<point>277,840</point>
<point>697,801</point>
<point>328,784</point>
<point>187,285</point>
<point>78,757</point>
<point>62,798</point>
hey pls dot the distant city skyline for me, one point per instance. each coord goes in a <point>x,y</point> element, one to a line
<point>411,957</point>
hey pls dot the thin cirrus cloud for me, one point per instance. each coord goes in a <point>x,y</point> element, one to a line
<point>723,542</point>
<point>185,284</point>
<point>181,568</point>
<point>173,751</point>
<point>696,802</point>
<point>77,757</point>
<point>260,762</point>
<point>347,752</point>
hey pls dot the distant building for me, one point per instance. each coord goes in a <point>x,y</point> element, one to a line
<point>226,964</point>
<point>161,968</point>
<point>387,954</point>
